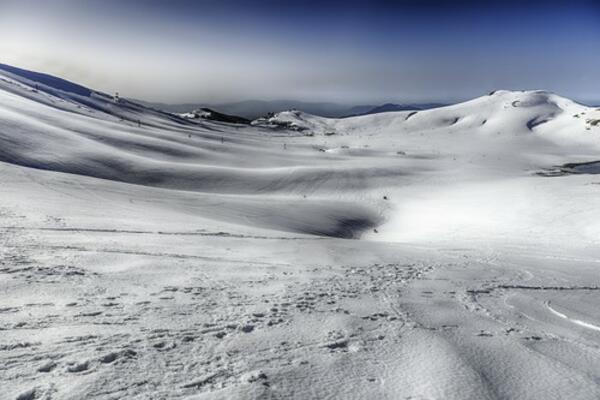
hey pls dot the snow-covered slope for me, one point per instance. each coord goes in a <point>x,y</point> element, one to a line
<point>148,256</point>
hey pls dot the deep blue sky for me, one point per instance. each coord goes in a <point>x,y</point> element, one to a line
<point>345,51</point>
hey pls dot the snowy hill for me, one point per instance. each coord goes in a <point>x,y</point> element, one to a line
<point>147,255</point>
<point>297,121</point>
<point>65,95</point>
<point>75,130</point>
<point>212,115</point>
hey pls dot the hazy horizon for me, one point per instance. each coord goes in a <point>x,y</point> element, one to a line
<point>344,52</point>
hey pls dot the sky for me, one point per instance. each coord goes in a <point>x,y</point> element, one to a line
<point>354,52</point>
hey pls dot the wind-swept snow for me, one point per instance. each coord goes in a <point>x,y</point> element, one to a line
<point>145,255</point>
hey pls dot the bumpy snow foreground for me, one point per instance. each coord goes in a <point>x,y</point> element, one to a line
<point>146,256</point>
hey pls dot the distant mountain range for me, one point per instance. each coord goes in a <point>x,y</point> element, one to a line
<point>252,109</point>
<point>389,107</point>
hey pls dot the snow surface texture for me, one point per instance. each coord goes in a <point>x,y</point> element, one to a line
<point>145,256</point>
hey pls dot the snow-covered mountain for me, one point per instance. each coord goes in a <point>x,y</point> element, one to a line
<point>149,255</point>
<point>253,109</point>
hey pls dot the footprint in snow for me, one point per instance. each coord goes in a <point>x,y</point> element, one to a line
<point>79,367</point>
<point>47,367</point>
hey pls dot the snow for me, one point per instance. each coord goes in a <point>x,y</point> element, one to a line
<point>197,114</point>
<point>435,254</point>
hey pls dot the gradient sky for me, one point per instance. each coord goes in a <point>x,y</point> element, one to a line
<point>343,51</point>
